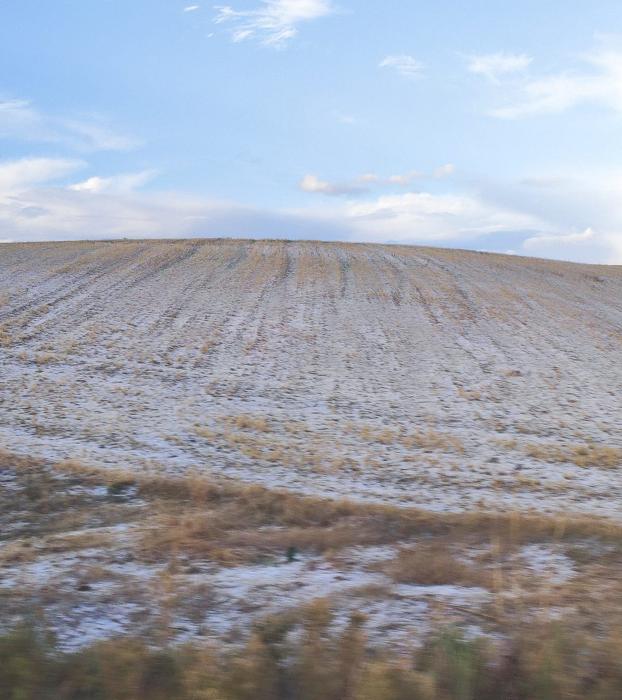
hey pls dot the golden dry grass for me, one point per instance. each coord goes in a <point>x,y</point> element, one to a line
<point>435,565</point>
<point>258,504</point>
<point>544,661</point>
<point>178,525</point>
<point>587,455</point>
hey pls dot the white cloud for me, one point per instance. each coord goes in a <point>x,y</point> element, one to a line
<point>117,184</point>
<point>17,116</point>
<point>444,171</point>
<point>59,213</point>
<point>599,82</point>
<point>580,246</point>
<point>191,8</point>
<point>19,175</point>
<point>274,22</point>
<point>369,178</point>
<point>405,65</point>
<point>404,180</point>
<point>312,183</point>
<point>95,135</point>
<point>547,216</point>
<point>424,217</point>
<point>35,204</point>
<point>570,203</point>
<point>20,120</point>
<point>363,183</point>
<point>32,207</point>
<point>496,65</point>
<point>536,242</point>
<point>580,217</point>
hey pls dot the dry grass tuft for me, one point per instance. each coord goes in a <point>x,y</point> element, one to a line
<point>427,440</point>
<point>469,394</point>
<point>587,455</point>
<point>249,422</point>
<point>44,358</point>
<point>261,505</point>
<point>6,338</point>
<point>434,565</point>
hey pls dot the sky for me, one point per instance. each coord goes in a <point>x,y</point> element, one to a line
<point>492,126</point>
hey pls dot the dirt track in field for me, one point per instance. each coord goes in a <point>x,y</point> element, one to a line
<point>445,379</point>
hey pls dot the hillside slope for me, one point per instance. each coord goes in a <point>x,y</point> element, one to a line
<point>446,379</point>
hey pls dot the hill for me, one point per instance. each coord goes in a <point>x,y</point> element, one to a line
<point>446,379</point>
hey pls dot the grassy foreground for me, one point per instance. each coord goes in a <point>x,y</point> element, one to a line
<point>302,658</point>
<point>312,648</point>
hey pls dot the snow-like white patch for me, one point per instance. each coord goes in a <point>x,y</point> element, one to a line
<point>8,481</point>
<point>461,595</point>
<point>59,570</point>
<point>87,623</point>
<point>546,562</point>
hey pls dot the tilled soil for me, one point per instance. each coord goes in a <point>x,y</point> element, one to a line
<point>444,379</point>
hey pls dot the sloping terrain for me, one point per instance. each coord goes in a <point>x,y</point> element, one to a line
<point>198,437</point>
<point>444,379</point>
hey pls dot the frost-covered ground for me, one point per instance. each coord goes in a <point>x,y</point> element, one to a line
<point>443,379</point>
<point>75,557</point>
<point>447,380</point>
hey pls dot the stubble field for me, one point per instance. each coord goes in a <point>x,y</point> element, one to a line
<point>200,434</point>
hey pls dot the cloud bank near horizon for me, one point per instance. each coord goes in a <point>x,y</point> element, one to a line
<point>49,199</point>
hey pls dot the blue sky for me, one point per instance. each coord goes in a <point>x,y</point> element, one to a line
<point>492,126</point>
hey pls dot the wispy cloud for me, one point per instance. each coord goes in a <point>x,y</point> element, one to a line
<point>404,180</point>
<point>274,22</point>
<point>445,171</point>
<point>20,175</point>
<point>494,66</point>
<point>539,242</point>
<point>589,245</point>
<point>550,216</point>
<point>22,121</point>
<point>403,64</point>
<point>347,119</point>
<point>117,184</point>
<point>580,214</point>
<point>599,82</point>
<point>425,217</point>
<point>17,115</point>
<point>57,212</point>
<point>94,134</point>
<point>53,211</point>
<point>312,183</point>
<point>369,181</point>
<point>35,205</point>
<point>191,8</point>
